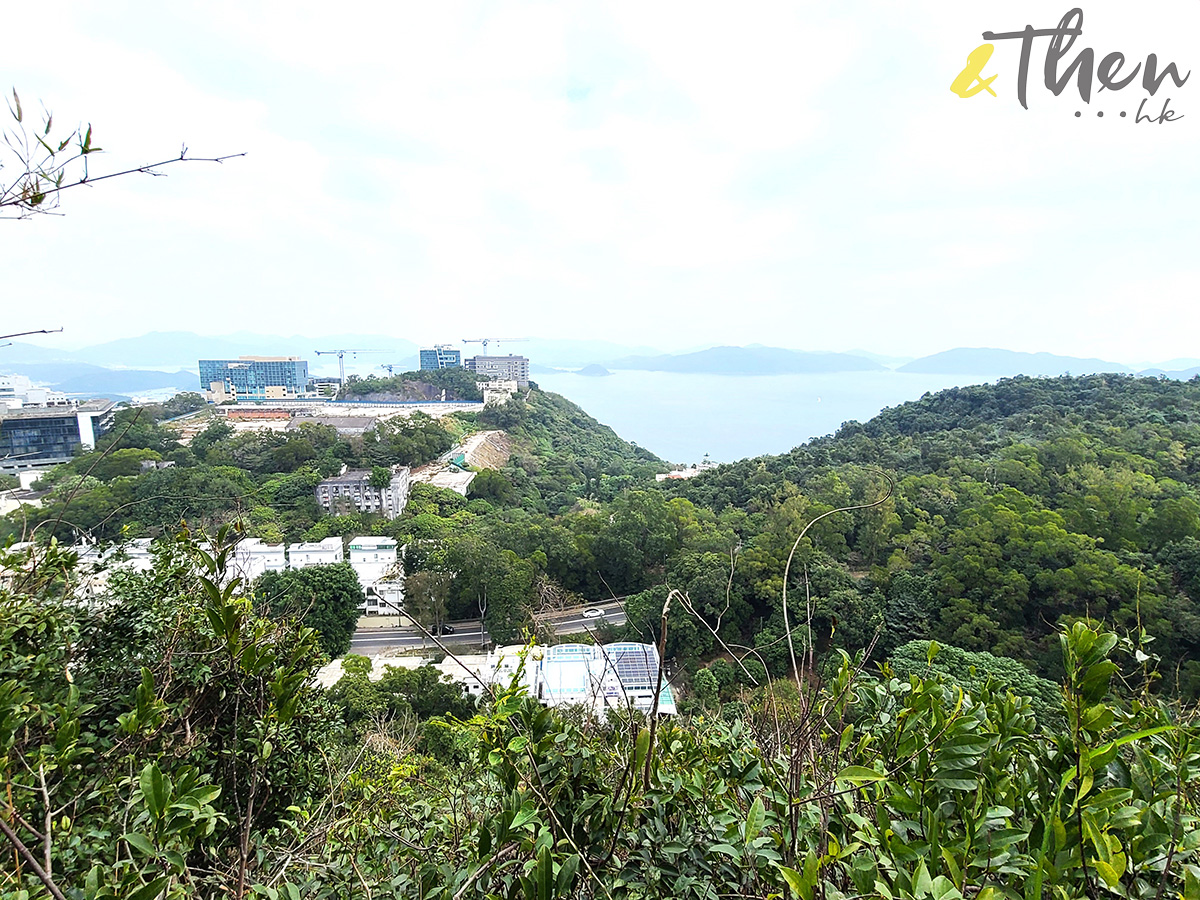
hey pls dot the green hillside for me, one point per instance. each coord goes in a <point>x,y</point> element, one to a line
<point>1018,506</point>
<point>169,738</point>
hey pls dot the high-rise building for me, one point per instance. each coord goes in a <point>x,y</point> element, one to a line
<point>254,378</point>
<point>39,436</point>
<point>508,368</point>
<point>441,356</point>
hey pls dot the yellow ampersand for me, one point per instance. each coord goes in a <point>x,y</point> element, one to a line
<point>964,85</point>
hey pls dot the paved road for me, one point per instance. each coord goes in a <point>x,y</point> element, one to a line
<point>470,632</point>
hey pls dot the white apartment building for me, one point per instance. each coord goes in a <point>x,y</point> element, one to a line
<point>372,557</point>
<point>376,562</point>
<point>252,557</point>
<point>316,553</point>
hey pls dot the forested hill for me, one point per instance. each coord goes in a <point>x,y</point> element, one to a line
<point>1018,506</point>
<point>1122,413</point>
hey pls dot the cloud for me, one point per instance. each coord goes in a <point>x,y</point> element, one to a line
<point>785,173</point>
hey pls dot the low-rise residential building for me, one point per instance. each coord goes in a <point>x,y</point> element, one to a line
<point>384,598</point>
<point>353,492</point>
<point>372,557</point>
<point>252,557</point>
<point>316,553</point>
<point>376,562</point>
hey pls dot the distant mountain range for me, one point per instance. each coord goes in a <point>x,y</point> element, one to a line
<point>752,360</point>
<point>989,361</point>
<point>163,360</point>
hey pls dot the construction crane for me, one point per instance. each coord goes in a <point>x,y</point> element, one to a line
<point>484,341</point>
<point>340,354</point>
<point>392,367</point>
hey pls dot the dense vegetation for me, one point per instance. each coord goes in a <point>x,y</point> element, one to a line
<point>1025,543</point>
<point>264,478</point>
<point>170,743</point>
<point>425,384</point>
<point>1018,506</point>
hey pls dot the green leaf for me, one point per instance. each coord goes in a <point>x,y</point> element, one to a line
<point>847,737</point>
<point>566,873</point>
<point>793,879</point>
<point>957,781</point>
<point>527,813</point>
<point>151,890</point>
<point>1110,875</point>
<point>859,775</point>
<point>641,748</point>
<point>140,843</point>
<point>545,880</point>
<point>952,865</point>
<point>154,789</point>
<point>944,889</point>
<point>1191,885</point>
<point>755,819</point>
<point>727,849</point>
<point>922,883</point>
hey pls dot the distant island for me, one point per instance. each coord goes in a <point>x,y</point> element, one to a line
<point>594,370</point>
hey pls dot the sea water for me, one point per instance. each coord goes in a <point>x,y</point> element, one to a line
<point>682,417</point>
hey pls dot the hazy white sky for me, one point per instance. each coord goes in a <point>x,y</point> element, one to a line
<point>674,174</point>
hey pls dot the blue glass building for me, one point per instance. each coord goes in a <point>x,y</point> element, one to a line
<point>256,377</point>
<point>442,356</point>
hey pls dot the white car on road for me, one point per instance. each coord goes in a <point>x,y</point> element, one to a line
<point>593,612</point>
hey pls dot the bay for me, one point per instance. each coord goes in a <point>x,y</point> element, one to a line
<point>682,417</point>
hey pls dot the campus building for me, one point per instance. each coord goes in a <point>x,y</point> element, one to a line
<point>33,437</point>
<point>441,356</point>
<point>506,368</point>
<point>254,378</point>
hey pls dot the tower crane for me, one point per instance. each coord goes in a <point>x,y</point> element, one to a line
<point>485,341</point>
<point>340,354</point>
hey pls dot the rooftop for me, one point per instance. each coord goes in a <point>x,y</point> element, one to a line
<point>351,477</point>
<point>330,543</point>
<point>343,424</point>
<point>93,407</point>
<point>371,541</point>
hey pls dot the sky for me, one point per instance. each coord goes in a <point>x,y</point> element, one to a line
<point>676,175</point>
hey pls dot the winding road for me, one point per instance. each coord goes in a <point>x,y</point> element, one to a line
<point>368,641</point>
